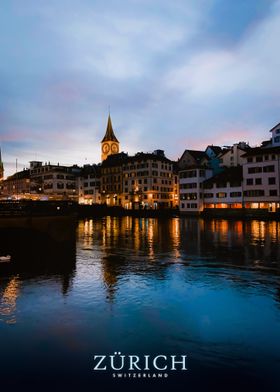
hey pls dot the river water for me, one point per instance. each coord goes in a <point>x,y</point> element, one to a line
<point>208,289</point>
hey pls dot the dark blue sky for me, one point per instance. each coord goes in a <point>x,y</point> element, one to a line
<point>176,74</point>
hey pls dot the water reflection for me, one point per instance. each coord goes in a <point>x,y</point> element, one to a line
<point>206,287</point>
<point>35,256</point>
<point>145,246</point>
<point>8,300</point>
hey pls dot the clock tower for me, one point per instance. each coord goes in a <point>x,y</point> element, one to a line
<point>109,144</point>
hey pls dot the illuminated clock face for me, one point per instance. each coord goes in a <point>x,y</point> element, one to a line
<point>105,148</point>
<point>114,148</point>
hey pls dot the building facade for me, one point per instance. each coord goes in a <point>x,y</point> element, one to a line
<point>191,188</point>
<point>233,156</point>
<point>261,173</point>
<point>53,182</point>
<point>149,181</point>
<point>88,185</point>
<point>16,187</point>
<point>224,190</point>
<point>142,181</point>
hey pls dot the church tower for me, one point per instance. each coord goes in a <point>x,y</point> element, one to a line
<point>1,167</point>
<point>109,144</point>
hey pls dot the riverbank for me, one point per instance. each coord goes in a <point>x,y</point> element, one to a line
<point>58,208</point>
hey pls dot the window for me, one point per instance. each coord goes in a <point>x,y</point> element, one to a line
<point>235,194</point>
<point>269,169</point>
<point>208,195</point>
<point>277,139</point>
<point>188,186</point>
<point>191,196</point>
<point>255,169</point>
<point>188,174</point>
<point>201,173</point>
<point>273,192</point>
<point>271,180</point>
<point>258,181</point>
<point>182,205</point>
<point>277,131</point>
<point>193,205</point>
<point>254,193</point>
<point>266,157</point>
<point>221,195</point>
<point>250,159</point>
<point>249,181</point>
<point>259,159</point>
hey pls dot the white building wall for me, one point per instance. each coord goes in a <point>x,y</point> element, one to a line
<point>190,188</point>
<point>224,197</point>
<point>233,157</point>
<point>261,179</point>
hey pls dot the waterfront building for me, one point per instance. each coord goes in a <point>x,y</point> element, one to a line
<point>53,182</point>
<point>191,188</point>
<point>224,190</point>
<point>17,186</point>
<point>191,158</point>
<point>111,179</point>
<point>194,169</point>
<point>261,173</point>
<point>109,144</point>
<point>88,184</point>
<point>233,156</point>
<point>145,180</point>
<point>150,181</point>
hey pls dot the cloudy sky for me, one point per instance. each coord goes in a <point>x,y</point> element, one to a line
<point>177,74</point>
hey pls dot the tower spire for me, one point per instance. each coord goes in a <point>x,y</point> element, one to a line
<point>109,135</point>
<point>109,144</point>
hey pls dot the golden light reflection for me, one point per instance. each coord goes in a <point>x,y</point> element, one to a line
<point>8,301</point>
<point>175,236</point>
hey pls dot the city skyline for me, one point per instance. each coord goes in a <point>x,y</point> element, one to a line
<point>191,75</point>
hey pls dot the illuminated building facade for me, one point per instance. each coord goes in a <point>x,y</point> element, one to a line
<point>261,174</point>
<point>145,180</point>
<point>191,188</point>
<point>193,171</point>
<point>224,190</point>
<point>53,182</point>
<point>88,185</point>
<point>149,181</point>
<point>16,186</point>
